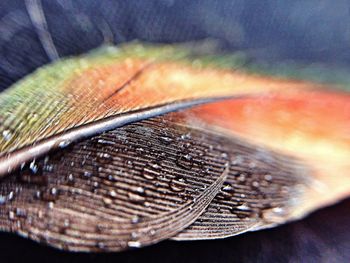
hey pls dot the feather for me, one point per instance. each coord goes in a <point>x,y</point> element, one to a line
<point>125,188</point>
<point>80,97</point>
<point>125,147</point>
<point>292,143</point>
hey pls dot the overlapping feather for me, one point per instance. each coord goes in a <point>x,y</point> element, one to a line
<point>128,146</point>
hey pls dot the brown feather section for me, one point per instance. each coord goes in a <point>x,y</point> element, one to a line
<point>146,182</point>
<point>126,188</point>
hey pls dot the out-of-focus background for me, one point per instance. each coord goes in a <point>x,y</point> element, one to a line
<point>310,32</point>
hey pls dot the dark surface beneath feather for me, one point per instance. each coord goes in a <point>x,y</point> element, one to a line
<point>298,30</point>
<point>322,237</point>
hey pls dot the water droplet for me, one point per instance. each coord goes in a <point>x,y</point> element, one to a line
<point>50,196</point>
<point>70,179</point>
<point>37,194</point>
<point>105,142</point>
<point>268,177</point>
<point>148,173</point>
<point>2,199</point>
<point>111,177</point>
<point>226,192</point>
<point>154,165</point>
<point>166,139</point>
<point>10,196</point>
<point>242,211</point>
<point>6,134</point>
<point>185,161</point>
<point>186,136</point>
<point>129,163</point>
<point>113,193</point>
<point>48,168</point>
<point>178,184</point>
<point>227,188</point>
<point>243,207</point>
<point>95,185</point>
<point>274,215</point>
<point>11,215</point>
<point>140,150</point>
<point>224,155</point>
<point>104,158</point>
<point>135,219</point>
<point>53,191</point>
<point>107,201</point>
<point>151,171</point>
<point>33,166</point>
<point>255,184</point>
<point>64,143</point>
<point>134,244</point>
<point>20,212</point>
<point>140,190</point>
<point>87,174</point>
<point>135,198</point>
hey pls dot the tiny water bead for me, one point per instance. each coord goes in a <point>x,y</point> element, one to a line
<point>140,190</point>
<point>107,201</point>
<point>70,179</point>
<point>185,161</point>
<point>227,187</point>
<point>53,191</point>
<point>178,184</point>
<point>242,211</point>
<point>2,199</point>
<point>7,135</point>
<point>87,174</point>
<point>134,244</point>
<point>274,214</point>
<point>11,195</point>
<point>33,166</point>
<point>113,193</point>
<point>151,171</point>
<point>136,198</point>
<point>243,207</point>
<point>186,136</point>
<point>268,177</point>
<point>20,212</point>
<point>64,143</point>
<point>11,215</point>
<point>5,198</point>
<point>104,158</point>
<point>166,139</point>
<point>135,219</point>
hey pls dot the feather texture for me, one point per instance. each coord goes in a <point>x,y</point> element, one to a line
<point>125,147</point>
<point>81,97</point>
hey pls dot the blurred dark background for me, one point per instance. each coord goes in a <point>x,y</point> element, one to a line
<point>301,31</point>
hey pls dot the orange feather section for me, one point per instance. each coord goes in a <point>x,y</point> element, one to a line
<point>311,125</point>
